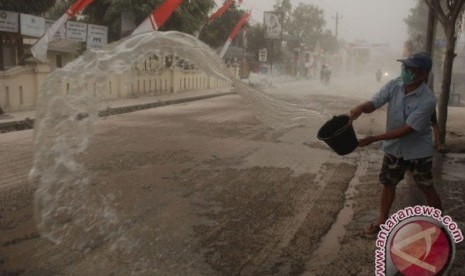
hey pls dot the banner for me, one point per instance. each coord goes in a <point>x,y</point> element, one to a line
<point>158,17</point>
<point>233,34</point>
<point>39,50</point>
<point>9,22</point>
<point>78,6</point>
<point>273,22</point>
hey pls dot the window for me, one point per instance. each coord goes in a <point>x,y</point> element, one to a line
<point>59,61</point>
<point>21,100</point>
<point>9,56</point>
<point>7,97</point>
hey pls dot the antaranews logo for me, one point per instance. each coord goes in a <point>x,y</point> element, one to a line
<point>416,241</point>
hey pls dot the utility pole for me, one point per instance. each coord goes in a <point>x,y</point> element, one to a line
<point>337,23</point>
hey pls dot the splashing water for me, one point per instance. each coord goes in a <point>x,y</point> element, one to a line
<point>65,210</point>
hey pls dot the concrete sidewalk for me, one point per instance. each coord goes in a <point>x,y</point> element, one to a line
<point>20,120</point>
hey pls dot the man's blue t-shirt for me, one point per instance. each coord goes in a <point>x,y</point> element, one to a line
<point>414,109</point>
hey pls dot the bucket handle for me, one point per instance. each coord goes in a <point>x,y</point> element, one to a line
<point>341,130</point>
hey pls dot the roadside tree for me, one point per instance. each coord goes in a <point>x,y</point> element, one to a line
<point>447,13</point>
<point>416,26</point>
<point>36,7</point>
<point>256,39</point>
<point>307,23</point>
<point>284,7</point>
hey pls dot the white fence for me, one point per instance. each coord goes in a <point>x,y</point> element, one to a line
<point>19,86</point>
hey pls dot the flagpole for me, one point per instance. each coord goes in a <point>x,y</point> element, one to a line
<point>39,49</point>
<point>156,19</point>
<point>225,48</point>
<point>219,12</point>
<point>234,32</point>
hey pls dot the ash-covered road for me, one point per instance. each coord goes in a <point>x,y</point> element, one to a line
<point>204,188</point>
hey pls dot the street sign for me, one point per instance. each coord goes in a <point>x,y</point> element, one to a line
<point>97,36</point>
<point>262,55</point>
<point>32,25</point>
<point>9,22</point>
<point>273,22</point>
<point>76,31</point>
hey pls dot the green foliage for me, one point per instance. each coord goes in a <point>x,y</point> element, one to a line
<point>285,7</point>
<point>328,42</point>
<point>303,24</point>
<point>58,9</point>
<point>416,26</point>
<point>307,23</point>
<point>216,33</point>
<point>190,16</point>
<point>35,7</point>
<point>256,39</point>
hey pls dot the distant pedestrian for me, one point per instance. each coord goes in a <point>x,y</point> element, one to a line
<point>378,75</point>
<point>407,142</point>
<point>325,74</point>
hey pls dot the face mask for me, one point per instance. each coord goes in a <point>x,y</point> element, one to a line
<point>406,76</point>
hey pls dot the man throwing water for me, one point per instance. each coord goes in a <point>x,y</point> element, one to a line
<point>407,142</point>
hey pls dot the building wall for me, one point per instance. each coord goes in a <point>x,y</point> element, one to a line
<point>19,86</point>
<point>15,87</point>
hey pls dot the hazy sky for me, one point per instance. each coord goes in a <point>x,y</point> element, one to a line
<point>376,21</point>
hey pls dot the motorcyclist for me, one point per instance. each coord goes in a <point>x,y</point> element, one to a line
<point>325,73</point>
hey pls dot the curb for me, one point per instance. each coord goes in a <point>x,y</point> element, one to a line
<point>29,123</point>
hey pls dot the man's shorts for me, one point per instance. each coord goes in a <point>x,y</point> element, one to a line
<point>393,170</point>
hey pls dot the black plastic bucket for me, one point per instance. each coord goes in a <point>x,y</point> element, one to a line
<point>339,134</point>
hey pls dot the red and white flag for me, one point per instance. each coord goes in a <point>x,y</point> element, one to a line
<point>233,34</point>
<point>220,11</point>
<point>158,17</point>
<point>39,50</point>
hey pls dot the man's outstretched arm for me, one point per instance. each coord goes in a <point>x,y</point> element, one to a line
<point>392,134</point>
<point>366,107</point>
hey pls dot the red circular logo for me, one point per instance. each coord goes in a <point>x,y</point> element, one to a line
<point>420,248</point>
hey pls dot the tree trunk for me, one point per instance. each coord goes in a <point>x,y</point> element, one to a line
<point>430,32</point>
<point>429,43</point>
<point>446,83</point>
<point>2,67</point>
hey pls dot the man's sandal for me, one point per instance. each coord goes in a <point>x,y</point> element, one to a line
<point>373,229</point>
